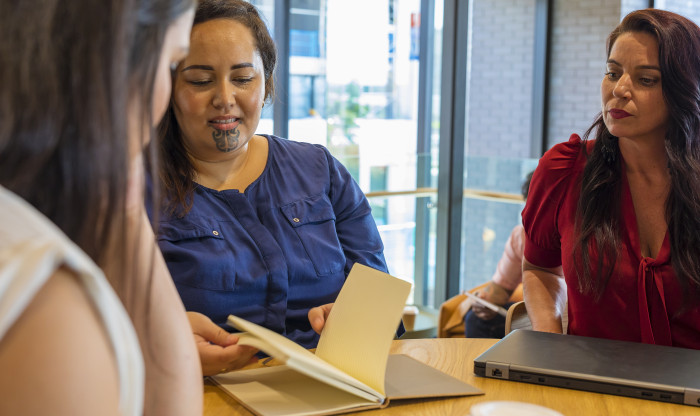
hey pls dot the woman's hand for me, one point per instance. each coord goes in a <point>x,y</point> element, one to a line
<point>218,350</point>
<point>318,316</point>
<point>493,293</point>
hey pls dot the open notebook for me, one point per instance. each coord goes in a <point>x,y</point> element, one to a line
<point>652,372</point>
<point>351,369</point>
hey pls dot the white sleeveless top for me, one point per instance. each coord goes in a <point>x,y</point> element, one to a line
<point>32,248</point>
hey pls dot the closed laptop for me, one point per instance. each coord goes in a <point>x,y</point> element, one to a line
<point>632,369</point>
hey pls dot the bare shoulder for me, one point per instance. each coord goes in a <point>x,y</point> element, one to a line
<point>56,358</point>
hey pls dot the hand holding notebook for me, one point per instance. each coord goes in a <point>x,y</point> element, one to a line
<point>352,368</point>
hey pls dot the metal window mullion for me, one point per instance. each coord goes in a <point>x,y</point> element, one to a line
<point>423,160</point>
<point>454,89</point>
<point>280,113</point>
<point>540,88</point>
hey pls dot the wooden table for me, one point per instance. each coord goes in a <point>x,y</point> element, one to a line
<point>456,357</point>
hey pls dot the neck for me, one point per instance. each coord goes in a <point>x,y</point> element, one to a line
<point>216,174</point>
<point>238,171</point>
<point>644,156</point>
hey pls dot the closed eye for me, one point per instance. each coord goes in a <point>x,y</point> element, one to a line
<point>199,82</point>
<point>241,80</point>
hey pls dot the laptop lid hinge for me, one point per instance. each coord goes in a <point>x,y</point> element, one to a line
<point>691,397</point>
<point>497,370</point>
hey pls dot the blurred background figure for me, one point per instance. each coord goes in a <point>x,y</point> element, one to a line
<point>480,321</point>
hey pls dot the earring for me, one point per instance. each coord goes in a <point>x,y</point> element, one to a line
<point>263,106</point>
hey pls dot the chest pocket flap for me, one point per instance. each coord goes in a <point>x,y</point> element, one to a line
<point>312,210</point>
<point>185,228</point>
<point>313,220</point>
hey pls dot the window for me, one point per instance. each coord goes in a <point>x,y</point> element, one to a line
<point>689,9</point>
<point>392,87</point>
<point>353,88</point>
<point>498,134</point>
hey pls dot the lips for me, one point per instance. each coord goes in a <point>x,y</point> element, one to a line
<point>224,123</point>
<point>618,114</point>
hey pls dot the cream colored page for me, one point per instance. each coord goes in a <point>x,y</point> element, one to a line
<point>300,358</point>
<point>358,333</point>
<point>281,391</point>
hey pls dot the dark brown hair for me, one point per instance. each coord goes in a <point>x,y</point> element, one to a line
<point>69,71</point>
<point>177,173</point>
<point>525,187</point>
<point>599,211</point>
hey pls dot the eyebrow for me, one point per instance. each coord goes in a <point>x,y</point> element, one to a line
<point>210,68</point>
<point>612,61</point>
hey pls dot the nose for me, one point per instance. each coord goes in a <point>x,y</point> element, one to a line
<point>622,87</point>
<point>224,97</point>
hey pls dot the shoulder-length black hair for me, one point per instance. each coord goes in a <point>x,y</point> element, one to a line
<point>598,212</point>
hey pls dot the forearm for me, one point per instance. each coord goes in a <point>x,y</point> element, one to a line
<point>173,374</point>
<point>544,291</point>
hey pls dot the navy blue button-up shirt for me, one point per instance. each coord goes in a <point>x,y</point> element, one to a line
<point>283,246</point>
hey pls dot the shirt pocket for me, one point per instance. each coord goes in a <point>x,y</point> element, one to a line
<point>184,229</point>
<point>313,220</point>
<point>192,248</point>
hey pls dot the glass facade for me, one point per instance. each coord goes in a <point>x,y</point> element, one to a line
<point>498,140</point>
<point>689,9</point>
<point>360,84</point>
<point>352,88</point>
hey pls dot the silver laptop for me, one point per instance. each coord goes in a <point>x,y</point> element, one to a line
<point>652,372</point>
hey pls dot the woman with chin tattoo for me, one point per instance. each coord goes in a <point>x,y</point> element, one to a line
<point>254,225</point>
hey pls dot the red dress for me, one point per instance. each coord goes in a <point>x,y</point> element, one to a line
<point>643,298</point>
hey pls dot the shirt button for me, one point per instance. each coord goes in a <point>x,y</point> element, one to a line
<point>215,232</point>
<point>296,220</point>
<point>646,269</point>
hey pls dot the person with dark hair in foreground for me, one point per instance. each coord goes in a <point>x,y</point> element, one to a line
<point>83,83</point>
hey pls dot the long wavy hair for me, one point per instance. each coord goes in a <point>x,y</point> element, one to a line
<point>69,71</point>
<point>176,170</point>
<point>599,211</point>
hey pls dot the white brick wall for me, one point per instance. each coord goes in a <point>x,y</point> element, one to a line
<point>501,78</point>
<point>577,63</point>
<point>501,71</point>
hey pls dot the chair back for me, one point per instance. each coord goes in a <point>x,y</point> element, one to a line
<point>517,318</point>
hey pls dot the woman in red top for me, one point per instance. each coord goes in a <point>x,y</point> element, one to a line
<point>619,216</point>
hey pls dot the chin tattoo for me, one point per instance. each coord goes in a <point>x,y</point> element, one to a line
<point>226,140</point>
